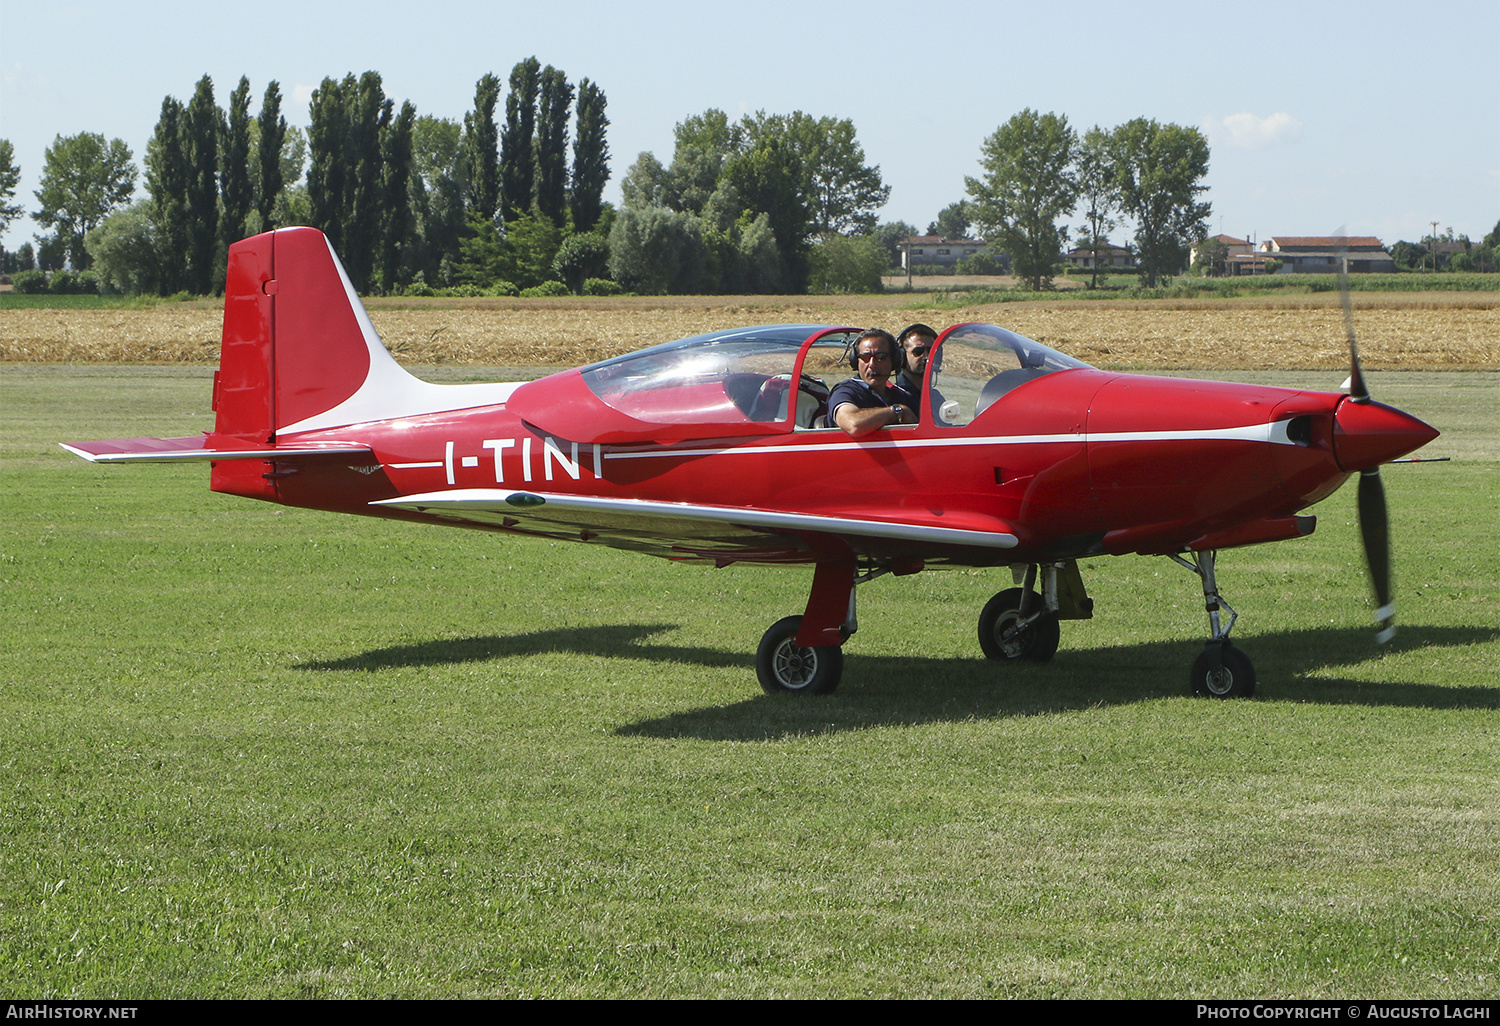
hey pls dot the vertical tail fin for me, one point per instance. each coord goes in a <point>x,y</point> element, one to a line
<point>300,354</point>
<point>297,343</point>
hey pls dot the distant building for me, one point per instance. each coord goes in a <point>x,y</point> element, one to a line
<point>936,251</point>
<point>1236,247</point>
<point>1240,258</point>
<point>1321,254</point>
<point>1108,255</point>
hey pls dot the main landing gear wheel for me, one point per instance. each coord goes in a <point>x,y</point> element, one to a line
<point>1003,640</point>
<point>1235,677</point>
<point>783,666</point>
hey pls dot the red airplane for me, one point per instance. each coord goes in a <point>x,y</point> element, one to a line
<point>712,449</point>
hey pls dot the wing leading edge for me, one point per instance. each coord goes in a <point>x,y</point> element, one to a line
<point>684,530</point>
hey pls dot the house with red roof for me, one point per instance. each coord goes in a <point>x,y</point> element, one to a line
<point>1321,254</point>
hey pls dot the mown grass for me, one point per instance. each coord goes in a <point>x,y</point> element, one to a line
<point>265,752</point>
<point>47,301</point>
<point>949,293</point>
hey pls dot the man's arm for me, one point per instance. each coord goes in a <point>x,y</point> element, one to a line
<point>857,422</point>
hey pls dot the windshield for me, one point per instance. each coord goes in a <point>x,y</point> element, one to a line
<point>977,364</point>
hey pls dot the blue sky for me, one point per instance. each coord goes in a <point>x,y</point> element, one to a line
<point>1376,116</point>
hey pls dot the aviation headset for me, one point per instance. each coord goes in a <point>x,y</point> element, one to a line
<point>918,329</point>
<point>898,355</point>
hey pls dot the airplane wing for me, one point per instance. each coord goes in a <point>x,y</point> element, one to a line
<point>680,530</point>
<point>197,449</point>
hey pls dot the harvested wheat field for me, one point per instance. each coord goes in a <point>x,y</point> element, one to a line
<point>1435,331</point>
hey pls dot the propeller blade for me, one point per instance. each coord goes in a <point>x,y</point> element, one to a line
<point>1374,529</point>
<point>1374,522</point>
<point>1356,383</point>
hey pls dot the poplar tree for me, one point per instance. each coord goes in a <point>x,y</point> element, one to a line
<point>517,161</point>
<point>481,151</point>
<point>369,118</point>
<point>166,180</point>
<point>552,146</point>
<point>437,156</point>
<point>234,179</point>
<point>201,121</point>
<point>327,143</point>
<point>268,154</point>
<point>395,167</point>
<point>359,178</point>
<point>590,157</point>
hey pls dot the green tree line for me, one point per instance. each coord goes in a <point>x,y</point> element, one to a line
<point>402,197</point>
<point>1449,252</point>
<point>504,201</point>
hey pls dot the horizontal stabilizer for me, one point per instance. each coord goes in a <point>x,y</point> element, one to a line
<point>196,449</point>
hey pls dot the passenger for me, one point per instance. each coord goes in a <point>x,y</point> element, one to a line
<point>870,401</point>
<point>916,342</point>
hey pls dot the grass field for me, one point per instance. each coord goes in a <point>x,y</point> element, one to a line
<point>254,751</point>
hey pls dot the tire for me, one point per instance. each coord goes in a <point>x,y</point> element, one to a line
<point>1037,643</point>
<point>784,667</point>
<point>1235,680</point>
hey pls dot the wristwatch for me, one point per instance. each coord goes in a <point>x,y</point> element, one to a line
<point>900,411</point>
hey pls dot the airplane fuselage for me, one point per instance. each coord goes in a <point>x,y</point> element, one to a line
<point>1085,460</point>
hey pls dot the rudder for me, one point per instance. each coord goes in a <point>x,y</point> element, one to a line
<point>296,341</point>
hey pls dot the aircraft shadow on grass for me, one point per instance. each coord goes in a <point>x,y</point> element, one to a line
<point>617,641</point>
<point>886,688</point>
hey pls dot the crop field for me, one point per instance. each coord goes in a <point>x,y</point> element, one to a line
<point>263,752</point>
<point>1432,331</point>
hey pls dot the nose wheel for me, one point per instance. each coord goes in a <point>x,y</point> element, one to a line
<point>1233,677</point>
<point>1221,671</point>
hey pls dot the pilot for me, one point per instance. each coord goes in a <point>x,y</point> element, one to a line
<point>870,400</point>
<point>916,342</point>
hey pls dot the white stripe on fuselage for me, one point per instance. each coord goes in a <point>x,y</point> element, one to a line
<point>1274,433</point>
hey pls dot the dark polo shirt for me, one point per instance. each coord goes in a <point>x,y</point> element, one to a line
<point>862,396</point>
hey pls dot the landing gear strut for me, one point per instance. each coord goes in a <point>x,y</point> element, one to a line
<point>1221,671</point>
<point>802,654</point>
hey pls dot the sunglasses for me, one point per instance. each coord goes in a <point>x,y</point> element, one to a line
<point>866,357</point>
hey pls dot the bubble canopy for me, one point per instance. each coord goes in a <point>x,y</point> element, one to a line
<point>770,378</point>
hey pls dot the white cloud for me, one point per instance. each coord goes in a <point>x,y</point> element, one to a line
<point>1251,132</point>
<point>301,99</point>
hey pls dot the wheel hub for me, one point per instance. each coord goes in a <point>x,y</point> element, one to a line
<point>1219,682</point>
<point>1011,636</point>
<point>795,667</point>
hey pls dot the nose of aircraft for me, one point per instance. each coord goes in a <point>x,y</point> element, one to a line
<point>1368,434</point>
